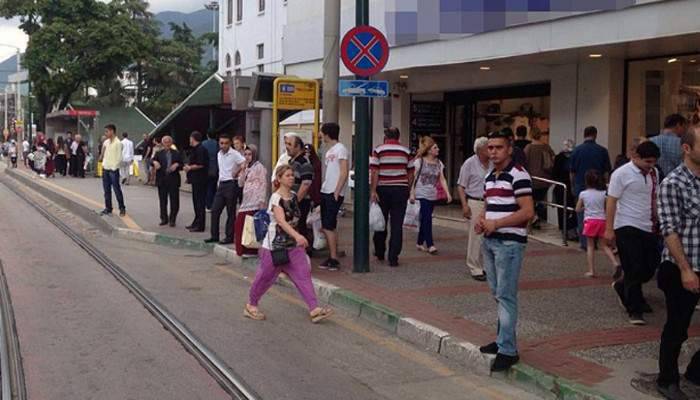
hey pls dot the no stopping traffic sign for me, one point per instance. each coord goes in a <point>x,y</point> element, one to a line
<point>364,50</point>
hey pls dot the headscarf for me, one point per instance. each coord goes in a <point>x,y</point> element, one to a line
<point>253,152</point>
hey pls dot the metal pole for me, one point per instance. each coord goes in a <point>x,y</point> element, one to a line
<point>213,27</point>
<point>331,61</point>
<point>363,141</point>
<point>6,107</point>
<point>18,111</point>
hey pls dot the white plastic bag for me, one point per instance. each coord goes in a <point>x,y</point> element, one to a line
<point>320,242</point>
<point>314,217</point>
<point>412,218</point>
<point>376,218</point>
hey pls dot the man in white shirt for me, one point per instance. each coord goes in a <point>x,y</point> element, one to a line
<point>471,195</point>
<point>25,152</point>
<point>74,162</point>
<point>632,222</point>
<point>333,190</point>
<point>127,158</point>
<point>230,163</point>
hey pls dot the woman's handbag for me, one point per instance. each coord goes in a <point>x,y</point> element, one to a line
<point>280,257</point>
<point>248,238</point>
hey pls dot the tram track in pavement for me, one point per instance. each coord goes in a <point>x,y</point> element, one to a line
<point>223,374</point>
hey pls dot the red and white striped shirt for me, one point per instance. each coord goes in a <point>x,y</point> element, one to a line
<point>392,161</point>
<point>501,192</point>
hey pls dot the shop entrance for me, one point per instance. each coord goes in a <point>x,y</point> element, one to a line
<point>475,113</point>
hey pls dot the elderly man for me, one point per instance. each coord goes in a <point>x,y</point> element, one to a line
<point>168,164</point>
<point>471,195</point>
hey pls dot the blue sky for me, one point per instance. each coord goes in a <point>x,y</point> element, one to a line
<point>11,35</point>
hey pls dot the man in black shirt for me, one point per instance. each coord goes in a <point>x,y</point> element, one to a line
<point>197,173</point>
<point>521,137</point>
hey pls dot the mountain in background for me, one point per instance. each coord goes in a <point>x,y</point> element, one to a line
<point>199,21</point>
<point>7,68</point>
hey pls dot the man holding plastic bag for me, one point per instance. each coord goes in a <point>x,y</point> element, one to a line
<point>391,175</point>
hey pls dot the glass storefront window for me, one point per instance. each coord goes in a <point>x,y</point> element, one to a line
<point>660,87</point>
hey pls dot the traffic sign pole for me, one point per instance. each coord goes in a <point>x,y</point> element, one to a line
<point>363,143</point>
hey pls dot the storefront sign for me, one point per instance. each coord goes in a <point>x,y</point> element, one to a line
<point>427,118</point>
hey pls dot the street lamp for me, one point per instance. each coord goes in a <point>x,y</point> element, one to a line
<point>213,6</point>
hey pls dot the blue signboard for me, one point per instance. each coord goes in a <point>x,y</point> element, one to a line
<point>362,88</point>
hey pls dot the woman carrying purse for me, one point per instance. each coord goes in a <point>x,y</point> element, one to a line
<point>429,187</point>
<point>253,180</point>
<point>284,250</point>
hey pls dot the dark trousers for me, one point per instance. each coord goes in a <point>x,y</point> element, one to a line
<point>680,305</point>
<point>304,210</point>
<point>169,191</point>
<point>80,166</point>
<point>392,200</point>
<point>199,200</point>
<point>540,195</point>
<point>61,164</point>
<point>571,220</point>
<point>640,256</point>
<point>425,231</point>
<point>110,180</point>
<point>225,197</point>
<point>212,182</point>
<point>73,166</point>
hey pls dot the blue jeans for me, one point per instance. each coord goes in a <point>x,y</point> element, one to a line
<point>425,231</point>
<point>502,262</point>
<point>110,180</point>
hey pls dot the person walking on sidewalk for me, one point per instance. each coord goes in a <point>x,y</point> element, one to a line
<point>167,164</point>
<point>471,196</point>
<point>230,163</point>
<point>592,203</point>
<point>391,175</point>
<point>669,143</point>
<point>333,189</point>
<point>197,172</point>
<point>631,223</point>
<point>679,219</point>
<point>283,250</point>
<point>253,180</point>
<point>111,160</point>
<point>509,207</point>
<point>428,187</point>
<point>212,147</point>
<point>587,156</point>
<point>26,148</point>
<point>127,158</point>
<point>61,160</point>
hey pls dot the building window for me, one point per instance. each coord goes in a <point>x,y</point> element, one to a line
<point>261,51</point>
<point>237,72</point>
<point>239,10</point>
<point>261,67</point>
<point>237,58</point>
<point>261,5</point>
<point>229,12</point>
<point>228,60</point>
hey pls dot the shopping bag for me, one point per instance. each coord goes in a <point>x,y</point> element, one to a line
<point>376,218</point>
<point>262,222</point>
<point>134,168</point>
<point>320,241</point>
<point>248,238</point>
<point>314,216</point>
<point>412,218</point>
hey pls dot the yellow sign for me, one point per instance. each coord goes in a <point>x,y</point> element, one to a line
<point>296,95</point>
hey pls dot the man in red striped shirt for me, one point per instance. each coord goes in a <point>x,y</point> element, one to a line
<point>391,170</point>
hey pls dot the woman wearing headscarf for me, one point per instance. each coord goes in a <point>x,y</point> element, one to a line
<point>560,173</point>
<point>253,180</point>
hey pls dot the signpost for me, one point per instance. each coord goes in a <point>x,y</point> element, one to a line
<point>364,51</point>
<point>294,94</point>
<point>362,88</point>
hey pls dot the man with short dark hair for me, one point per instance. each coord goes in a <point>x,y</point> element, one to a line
<point>669,142</point>
<point>587,156</point>
<point>333,189</point>
<point>631,223</point>
<point>127,158</point>
<point>521,137</point>
<point>168,164</point>
<point>111,158</point>
<point>230,163</point>
<point>503,222</point>
<point>212,147</point>
<point>391,170</point>
<point>197,170</point>
<point>678,204</point>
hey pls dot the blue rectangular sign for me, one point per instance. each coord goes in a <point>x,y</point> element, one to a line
<point>363,88</point>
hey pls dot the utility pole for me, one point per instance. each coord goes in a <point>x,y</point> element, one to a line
<point>363,142</point>
<point>331,60</point>
<point>213,6</point>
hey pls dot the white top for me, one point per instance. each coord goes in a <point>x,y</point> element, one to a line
<point>427,178</point>
<point>633,191</point>
<point>471,177</point>
<point>229,164</point>
<point>276,236</point>
<point>501,197</point>
<point>25,146</point>
<point>74,147</point>
<point>127,150</point>
<point>593,204</point>
<point>332,162</point>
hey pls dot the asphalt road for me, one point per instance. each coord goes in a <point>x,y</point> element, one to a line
<point>83,336</point>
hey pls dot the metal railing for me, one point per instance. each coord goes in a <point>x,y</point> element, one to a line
<point>564,206</point>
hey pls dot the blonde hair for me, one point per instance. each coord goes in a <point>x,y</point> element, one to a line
<point>278,174</point>
<point>426,143</point>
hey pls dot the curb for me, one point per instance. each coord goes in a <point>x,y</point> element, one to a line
<point>422,335</point>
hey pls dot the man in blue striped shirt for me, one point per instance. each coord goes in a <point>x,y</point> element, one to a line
<point>669,141</point>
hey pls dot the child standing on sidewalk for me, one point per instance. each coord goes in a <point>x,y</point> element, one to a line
<point>592,202</point>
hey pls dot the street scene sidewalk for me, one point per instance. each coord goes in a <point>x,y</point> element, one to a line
<point>570,327</point>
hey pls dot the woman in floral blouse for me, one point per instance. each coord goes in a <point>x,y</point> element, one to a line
<point>253,180</point>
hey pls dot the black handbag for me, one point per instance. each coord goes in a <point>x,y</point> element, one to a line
<point>280,257</point>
